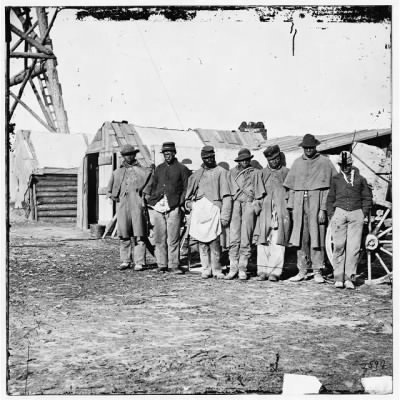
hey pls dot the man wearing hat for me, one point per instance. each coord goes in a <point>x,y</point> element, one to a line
<point>349,201</point>
<point>308,181</point>
<point>243,216</point>
<point>273,223</point>
<point>126,187</point>
<point>208,197</point>
<point>165,197</point>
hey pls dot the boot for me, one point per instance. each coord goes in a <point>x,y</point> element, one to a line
<point>262,277</point>
<point>124,266</point>
<point>233,271</point>
<point>299,277</point>
<point>243,275</point>
<point>318,277</point>
<point>207,273</point>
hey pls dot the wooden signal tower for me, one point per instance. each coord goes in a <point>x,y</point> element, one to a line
<point>29,41</point>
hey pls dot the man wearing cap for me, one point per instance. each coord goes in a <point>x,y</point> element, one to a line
<point>308,181</point>
<point>273,223</point>
<point>126,187</point>
<point>208,197</point>
<point>165,197</point>
<point>243,216</point>
<point>349,201</point>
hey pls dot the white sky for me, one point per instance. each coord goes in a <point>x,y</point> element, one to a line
<point>215,72</point>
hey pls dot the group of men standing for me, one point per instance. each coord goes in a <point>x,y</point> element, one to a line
<point>274,207</point>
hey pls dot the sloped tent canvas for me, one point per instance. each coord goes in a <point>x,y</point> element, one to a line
<point>43,154</point>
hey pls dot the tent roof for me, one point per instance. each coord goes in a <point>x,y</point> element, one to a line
<point>55,150</point>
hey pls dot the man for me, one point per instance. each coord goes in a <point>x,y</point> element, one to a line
<point>243,216</point>
<point>209,199</point>
<point>126,187</point>
<point>349,201</point>
<point>273,224</point>
<point>308,182</point>
<point>165,196</point>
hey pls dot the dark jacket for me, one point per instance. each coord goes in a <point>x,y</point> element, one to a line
<point>170,180</point>
<point>347,197</point>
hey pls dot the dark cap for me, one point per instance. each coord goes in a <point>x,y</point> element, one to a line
<point>128,149</point>
<point>207,151</point>
<point>168,146</point>
<point>309,141</point>
<point>272,151</point>
<point>244,154</point>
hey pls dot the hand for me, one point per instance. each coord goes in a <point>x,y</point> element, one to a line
<point>224,223</point>
<point>321,217</point>
<point>189,205</point>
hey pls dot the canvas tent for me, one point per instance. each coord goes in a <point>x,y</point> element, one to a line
<point>43,173</point>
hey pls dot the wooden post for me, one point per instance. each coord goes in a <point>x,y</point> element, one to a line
<point>42,106</point>
<point>53,83</point>
<point>31,111</point>
<point>18,78</point>
<point>35,202</point>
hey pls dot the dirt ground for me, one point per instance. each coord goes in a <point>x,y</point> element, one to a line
<point>77,325</point>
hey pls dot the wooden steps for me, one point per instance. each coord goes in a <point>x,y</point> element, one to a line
<point>56,197</point>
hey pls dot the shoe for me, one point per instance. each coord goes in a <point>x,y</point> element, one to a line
<point>124,266</point>
<point>262,277</point>
<point>298,278</point>
<point>232,275</point>
<point>273,278</point>
<point>339,285</point>
<point>349,284</point>
<point>161,270</point>
<point>179,271</point>
<point>318,278</point>
<point>219,275</point>
<point>206,274</point>
<point>138,267</point>
<point>242,275</point>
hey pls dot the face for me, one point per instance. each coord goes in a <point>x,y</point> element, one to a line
<point>169,156</point>
<point>346,168</point>
<point>245,163</point>
<point>129,158</point>
<point>310,152</point>
<point>209,161</point>
<point>275,162</point>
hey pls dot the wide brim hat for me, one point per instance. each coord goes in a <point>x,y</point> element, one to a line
<point>168,146</point>
<point>309,141</point>
<point>272,151</point>
<point>129,149</point>
<point>244,154</point>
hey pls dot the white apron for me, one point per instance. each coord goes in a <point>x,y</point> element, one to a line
<point>205,223</point>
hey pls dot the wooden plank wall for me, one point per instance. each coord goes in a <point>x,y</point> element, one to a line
<point>56,197</point>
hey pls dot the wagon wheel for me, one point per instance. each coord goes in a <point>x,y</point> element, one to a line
<point>377,242</point>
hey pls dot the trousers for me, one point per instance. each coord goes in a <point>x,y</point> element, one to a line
<point>241,231</point>
<point>347,228</point>
<point>306,254</point>
<point>166,237</point>
<point>136,247</point>
<point>210,255</point>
